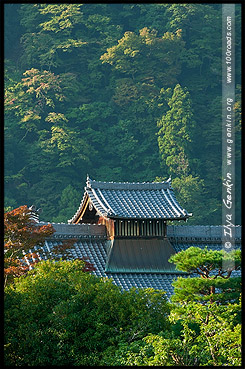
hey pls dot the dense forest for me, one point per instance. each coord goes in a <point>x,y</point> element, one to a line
<point>122,92</point>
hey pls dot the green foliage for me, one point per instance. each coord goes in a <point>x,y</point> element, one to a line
<point>68,204</point>
<point>124,92</point>
<point>200,290</point>
<point>146,57</point>
<point>175,136</point>
<point>210,335</point>
<point>188,189</point>
<point>203,261</point>
<point>59,315</point>
<point>215,283</point>
<point>176,126</point>
<point>213,330</point>
<point>205,326</point>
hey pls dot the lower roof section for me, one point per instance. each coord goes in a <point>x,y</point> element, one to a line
<point>95,251</point>
<point>140,255</point>
<point>92,244</point>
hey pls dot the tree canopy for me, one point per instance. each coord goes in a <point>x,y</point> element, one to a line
<point>60,315</point>
<point>124,92</point>
<point>23,241</point>
<point>205,324</point>
<point>21,236</point>
<point>213,282</point>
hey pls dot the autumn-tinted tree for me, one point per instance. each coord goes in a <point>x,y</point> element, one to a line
<point>21,234</point>
<point>23,241</point>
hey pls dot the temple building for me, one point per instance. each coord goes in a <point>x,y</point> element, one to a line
<point>122,229</point>
<point>135,217</point>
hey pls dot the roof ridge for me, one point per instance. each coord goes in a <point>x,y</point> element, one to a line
<point>127,185</point>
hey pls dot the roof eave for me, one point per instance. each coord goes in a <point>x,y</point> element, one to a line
<point>145,271</point>
<point>146,218</point>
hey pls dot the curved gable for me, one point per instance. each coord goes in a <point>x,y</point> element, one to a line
<point>125,200</point>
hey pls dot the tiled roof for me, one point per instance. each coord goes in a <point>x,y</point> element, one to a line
<point>92,243</point>
<point>140,255</point>
<point>95,251</point>
<point>154,200</point>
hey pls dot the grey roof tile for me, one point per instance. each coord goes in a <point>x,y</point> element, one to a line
<point>133,200</point>
<point>95,249</point>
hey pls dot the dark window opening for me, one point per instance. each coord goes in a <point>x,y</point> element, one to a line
<point>140,228</point>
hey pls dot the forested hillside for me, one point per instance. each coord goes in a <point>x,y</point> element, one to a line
<point>123,92</point>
